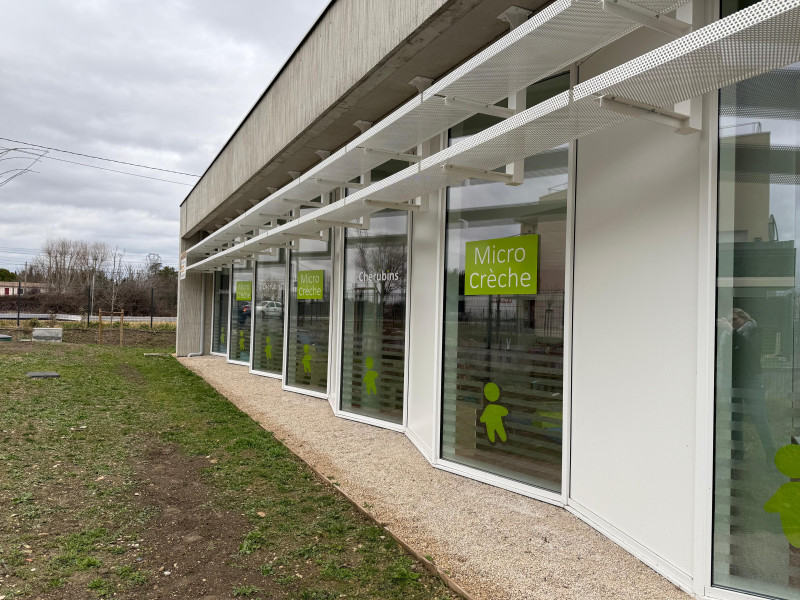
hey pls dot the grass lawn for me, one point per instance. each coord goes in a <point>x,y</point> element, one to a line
<point>130,477</point>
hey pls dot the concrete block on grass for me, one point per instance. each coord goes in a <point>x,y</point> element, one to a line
<point>47,334</point>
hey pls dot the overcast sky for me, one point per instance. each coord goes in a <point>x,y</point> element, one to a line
<point>161,83</point>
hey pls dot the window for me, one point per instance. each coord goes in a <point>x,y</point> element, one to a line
<point>309,316</point>
<point>219,326</point>
<point>502,376</point>
<point>241,313</point>
<point>268,312</point>
<point>756,536</point>
<point>374,326</point>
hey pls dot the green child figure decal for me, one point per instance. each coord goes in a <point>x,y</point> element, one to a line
<point>268,349</point>
<point>241,341</point>
<point>370,376</point>
<point>306,359</point>
<point>222,337</point>
<point>493,414</point>
<point>786,501</point>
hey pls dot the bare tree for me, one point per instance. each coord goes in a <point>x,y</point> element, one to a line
<point>115,273</point>
<point>387,259</point>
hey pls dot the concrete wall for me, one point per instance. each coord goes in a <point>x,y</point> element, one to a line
<point>352,37</point>
<point>187,338</point>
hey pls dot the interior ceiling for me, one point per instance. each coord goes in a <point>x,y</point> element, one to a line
<point>454,34</point>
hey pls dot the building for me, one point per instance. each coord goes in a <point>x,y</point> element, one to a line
<point>551,243</point>
<point>10,288</point>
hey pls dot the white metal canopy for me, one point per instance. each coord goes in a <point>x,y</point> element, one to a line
<point>546,44</point>
<point>755,40</point>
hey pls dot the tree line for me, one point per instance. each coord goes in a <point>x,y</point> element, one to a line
<point>74,270</point>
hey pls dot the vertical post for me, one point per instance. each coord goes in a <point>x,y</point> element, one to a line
<point>19,294</point>
<point>91,298</point>
<point>152,297</point>
<point>100,327</point>
<point>121,321</point>
<point>88,306</point>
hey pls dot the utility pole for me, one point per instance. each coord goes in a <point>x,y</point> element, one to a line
<point>19,297</point>
<point>152,296</point>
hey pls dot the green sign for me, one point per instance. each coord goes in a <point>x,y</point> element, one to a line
<point>505,266</point>
<point>309,285</point>
<point>244,290</point>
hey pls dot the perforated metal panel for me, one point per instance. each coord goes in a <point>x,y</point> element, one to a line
<point>760,38</point>
<point>753,41</point>
<point>546,44</point>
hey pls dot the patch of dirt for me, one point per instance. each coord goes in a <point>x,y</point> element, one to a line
<point>190,549</point>
<point>191,540</point>
<point>130,373</point>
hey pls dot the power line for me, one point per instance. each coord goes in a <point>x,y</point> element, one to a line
<point>122,162</point>
<point>72,162</point>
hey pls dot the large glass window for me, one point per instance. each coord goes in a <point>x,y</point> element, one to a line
<point>268,312</point>
<point>219,326</point>
<point>502,375</point>
<point>241,311</point>
<point>373,340</point>
<point>503,351</point>
<point>309,316</point>
<point>757,456</point>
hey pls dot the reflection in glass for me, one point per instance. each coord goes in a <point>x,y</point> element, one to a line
<point>309,319</point>
<point>241,310</point>
<point>219,325</point>
<point>503,355</point>
<point>757,333</point>
<point>373,341</point>
<point>268,312</point>
<point>503,377</point>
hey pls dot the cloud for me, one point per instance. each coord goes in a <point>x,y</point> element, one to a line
<point>154,82</point>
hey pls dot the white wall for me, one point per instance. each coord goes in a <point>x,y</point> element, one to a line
<point>635,333</point>
<point>424,315</point>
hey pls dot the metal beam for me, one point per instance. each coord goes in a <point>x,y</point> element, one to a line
<point>468,173</point>
<point>390,154</point>
<point>333,182</point>
<point>348,224</point>
<point>648,18</point>
<point>486,109</point>
<point>382,204</point>
<point>322,237</point>
<point>653,114</point>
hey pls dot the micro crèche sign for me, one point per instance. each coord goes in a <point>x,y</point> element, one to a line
<point>504,266</point>
<point>309,285</point>
<point>244,290</point>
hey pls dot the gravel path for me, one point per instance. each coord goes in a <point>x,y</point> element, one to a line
<point>493,543</point>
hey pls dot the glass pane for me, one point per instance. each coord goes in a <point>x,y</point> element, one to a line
<point>757,459</point>
<point>222,282</point>
<point>241,308</point>
<point>373,344</point>
<point>309,316</point>
<point>503,353</point>
<point>269,312</point>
